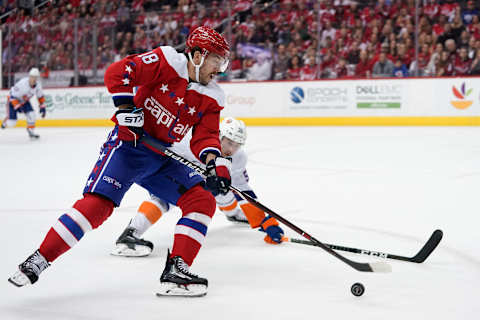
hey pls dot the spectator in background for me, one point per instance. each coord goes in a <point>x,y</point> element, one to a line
<point>400,70</point>
<point>383,67</point>
<point>341,70</point>
<point>309,71</point>
<point>293,72</point>
<point>328,64</point>
<point>280,62</point>
<point>261,69</point>
<point>462,63</point>
<point>235,66</point>
<point>475,67</point>
<point>469,13</point>
<point>364,68</point>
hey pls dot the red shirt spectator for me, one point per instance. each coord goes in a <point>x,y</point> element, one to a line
<point>364,68</point>
<point>448,9</point>
<point>432,9</point>
<point>462,63</point>
<point>309,72</point>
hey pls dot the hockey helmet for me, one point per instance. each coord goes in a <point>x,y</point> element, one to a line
<point>210,41</point>
<point>34,72</point>
<point>234,130</point>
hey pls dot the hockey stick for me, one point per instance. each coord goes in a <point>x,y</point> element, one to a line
<point>420,257</point>
<point>379,266</point>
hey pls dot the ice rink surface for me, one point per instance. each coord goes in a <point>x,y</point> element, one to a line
<point>379,188</point>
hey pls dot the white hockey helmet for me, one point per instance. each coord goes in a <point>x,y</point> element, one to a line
<point>34,72</point>
<point>234,130</point>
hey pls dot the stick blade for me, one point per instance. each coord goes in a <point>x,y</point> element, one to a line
<point>429,247</point>
<point>380,266</point>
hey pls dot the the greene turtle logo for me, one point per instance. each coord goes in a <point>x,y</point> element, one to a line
<point>297,95</point>
<point>49,102</point>
<point>463,103</point>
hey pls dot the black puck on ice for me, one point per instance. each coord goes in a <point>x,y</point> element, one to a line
<point>357,289</point>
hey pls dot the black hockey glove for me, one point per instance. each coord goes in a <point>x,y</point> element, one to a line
<point>132,118</point>
<point>43,110</point>
<point>218,176</point>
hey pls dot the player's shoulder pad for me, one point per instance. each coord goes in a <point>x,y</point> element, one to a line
<point>176,60</point>
<point>211,90</point>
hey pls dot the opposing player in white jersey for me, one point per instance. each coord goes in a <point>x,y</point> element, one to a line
<point>232,137</point>
<point>19,102</point>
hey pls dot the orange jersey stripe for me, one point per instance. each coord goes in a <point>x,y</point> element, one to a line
<point>229,207</point>
<point>150,211</point>
<point>14,102</point>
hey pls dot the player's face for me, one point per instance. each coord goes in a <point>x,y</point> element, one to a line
<point>32,81</point>
<point>212,65</point>
<point>229,147</point>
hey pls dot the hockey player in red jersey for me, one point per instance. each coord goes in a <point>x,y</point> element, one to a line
<point>175,94</point>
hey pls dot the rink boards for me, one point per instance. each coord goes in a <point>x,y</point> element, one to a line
<point>356,102</point>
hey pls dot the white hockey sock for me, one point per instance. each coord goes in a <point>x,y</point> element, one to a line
<point>140,223</point>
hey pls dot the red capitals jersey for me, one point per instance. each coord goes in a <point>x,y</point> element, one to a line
<point>171,105</point>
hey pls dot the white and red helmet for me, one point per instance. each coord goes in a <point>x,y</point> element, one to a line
<point>210,41</point>
<point>234,130</point>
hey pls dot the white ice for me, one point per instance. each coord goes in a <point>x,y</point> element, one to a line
<point>379,188</point>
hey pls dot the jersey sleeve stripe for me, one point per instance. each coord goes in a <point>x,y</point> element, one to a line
<point>203,153</point>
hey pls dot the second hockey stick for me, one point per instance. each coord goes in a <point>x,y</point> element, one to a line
<point>379,266</point>
<point>420,257</point>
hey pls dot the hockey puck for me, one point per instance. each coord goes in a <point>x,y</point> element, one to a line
<point>357,289</point>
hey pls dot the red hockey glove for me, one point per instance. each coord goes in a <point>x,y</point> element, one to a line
<point>218,175</point>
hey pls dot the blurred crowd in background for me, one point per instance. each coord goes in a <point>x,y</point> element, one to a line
<point>270,40</point>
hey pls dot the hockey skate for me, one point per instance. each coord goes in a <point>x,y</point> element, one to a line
<point>128,245</point>
<point>177,280</point>
<point>32,134</point>
<point>29,270</point>
<point>236,217</point>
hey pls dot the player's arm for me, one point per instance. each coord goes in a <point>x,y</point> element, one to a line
<point>122,77</point>
<point>205,145</point>
<point>15,93</point>
<point>41,100</point>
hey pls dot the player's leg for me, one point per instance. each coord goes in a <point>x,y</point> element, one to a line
<point>181,186</point>
<point>228,204</point>
<point>130,244</point>
<point>101,194</point>
<point>30,115</point>
<point>11,116</point>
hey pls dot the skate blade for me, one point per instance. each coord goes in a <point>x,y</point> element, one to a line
<point>237,221</point>
<point>168,289</point>
<point>122,250</point>
<point>19,279</point>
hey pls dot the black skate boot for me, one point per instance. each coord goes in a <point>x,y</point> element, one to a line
<point>237,219</point>
<point>32,134</point>
<point>4,125</point>
<point>29,270</point>
<point>128,245</point>
<point>177,280</point>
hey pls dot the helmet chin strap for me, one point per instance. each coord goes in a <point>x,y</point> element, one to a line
<point>197,66</point>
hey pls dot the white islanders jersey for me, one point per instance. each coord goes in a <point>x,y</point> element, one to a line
<point>22,91</point>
